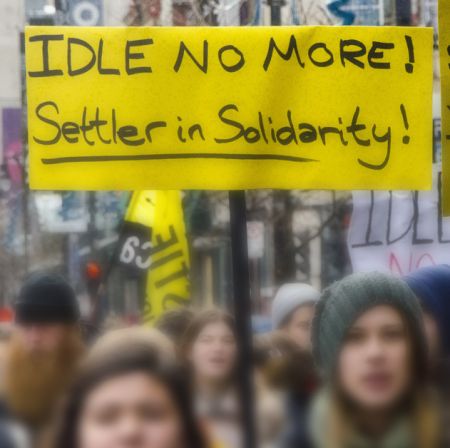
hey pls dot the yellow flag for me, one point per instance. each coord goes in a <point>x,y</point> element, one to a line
<point>156,243</point>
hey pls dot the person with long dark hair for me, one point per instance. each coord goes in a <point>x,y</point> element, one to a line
<point>130,392</point>
<point>369,342</point>
<point>210,351</point>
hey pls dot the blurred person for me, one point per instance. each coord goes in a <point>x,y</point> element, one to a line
<point>5,343</point>
<point>297,375</point>
<point>369,342</point>
<point>12,434</point>
<point>431,285</point>
<point>130,392</point>
<point>270,415</point>
<point>45,349</point>
<point>270,398</point>
<point>290,371</point>
<point>210,349</point>
<point>174,324</point>
<point>293,312</point>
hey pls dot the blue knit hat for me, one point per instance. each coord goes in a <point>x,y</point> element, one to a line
<point>431,285</point>
<point>344,301</point>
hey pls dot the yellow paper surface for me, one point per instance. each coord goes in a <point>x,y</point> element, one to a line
<point>348,108</point>
<point>167,282</point>
<point>444,48</point>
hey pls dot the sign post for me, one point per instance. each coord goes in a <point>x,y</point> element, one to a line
<point>242,311</point>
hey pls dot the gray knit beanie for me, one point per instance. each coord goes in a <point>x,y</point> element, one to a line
<point>344,301</point>
<point>290,297</point>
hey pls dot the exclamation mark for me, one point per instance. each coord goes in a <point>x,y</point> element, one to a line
<point>406,138</point>
<point>410,65</point>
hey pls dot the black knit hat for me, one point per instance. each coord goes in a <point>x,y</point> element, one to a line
<point>46,298</point>
<point>344,301</point>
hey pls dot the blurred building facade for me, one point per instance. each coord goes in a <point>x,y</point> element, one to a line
<point>293,235</point>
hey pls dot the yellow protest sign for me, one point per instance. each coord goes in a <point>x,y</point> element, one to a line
<point>229,108</point>
<point>153,242</point>
<point>444,48</point>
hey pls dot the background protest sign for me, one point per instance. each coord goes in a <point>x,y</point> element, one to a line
<point>444,48</point>
<point>229,108</point>
<point>399,231</point>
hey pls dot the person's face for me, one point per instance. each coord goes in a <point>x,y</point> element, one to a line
<point>374,367</point>
<point>130,411</point>
<point>213,353</point>
<point>41,338</point>
<point>298,328</point>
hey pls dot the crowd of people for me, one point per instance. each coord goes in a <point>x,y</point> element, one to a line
<point>362,364</point>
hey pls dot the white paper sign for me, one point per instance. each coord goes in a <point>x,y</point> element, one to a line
<point>398,231</point>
